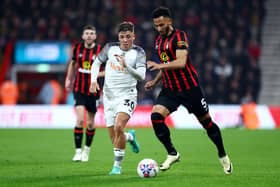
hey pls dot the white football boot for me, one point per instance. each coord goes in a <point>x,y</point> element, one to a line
<point>171,159</point>
<point>85,154</point>
<point>227,165</point>
<point>78,155</point>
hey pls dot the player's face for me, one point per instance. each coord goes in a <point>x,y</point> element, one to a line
<point>89,36</point>
<point>126,39</point>
<point>162,25</point>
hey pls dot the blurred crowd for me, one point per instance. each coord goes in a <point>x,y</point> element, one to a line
<point>224,35</point>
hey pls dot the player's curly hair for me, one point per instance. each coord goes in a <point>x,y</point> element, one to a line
<point>161,11</point>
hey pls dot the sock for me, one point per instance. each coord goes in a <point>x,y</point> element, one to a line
<point>78,136</point>
<point>89,137</point>
<point>119,154</point>
<point>162,132</point>
<point>214,133</point>
<point>128,136</point>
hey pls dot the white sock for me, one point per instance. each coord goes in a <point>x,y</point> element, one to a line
<point>119,154</point>
<point>79,150</point>
<point>128,136</point>
<point>86,148</point>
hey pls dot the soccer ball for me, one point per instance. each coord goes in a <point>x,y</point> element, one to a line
<point>147,168</point>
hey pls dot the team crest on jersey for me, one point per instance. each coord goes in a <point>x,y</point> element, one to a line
<point>164,57</point>
<point>86,65</point>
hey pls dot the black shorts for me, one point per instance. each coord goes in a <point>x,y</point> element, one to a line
<point>194,100</point>
<point>89,101</point>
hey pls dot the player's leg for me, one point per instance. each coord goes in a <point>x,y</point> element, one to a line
<point>91,107</point>
<point>111,133</point>
<point>90,132</point>
<point>119,142</point>
<point>214,133</point>
<point>130,137</point>
<point>200,109</point>
<point>162,132</point>
<point>78,132</point>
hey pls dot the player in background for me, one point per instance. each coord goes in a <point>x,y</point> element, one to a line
<point>180,86</point>
<point>79,68</point>
<point>125,65</point>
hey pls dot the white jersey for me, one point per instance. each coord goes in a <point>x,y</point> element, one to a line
<point>116,76</point>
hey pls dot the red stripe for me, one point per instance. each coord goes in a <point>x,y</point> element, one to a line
<point>185,79</point>
<point>164,79</point>
<point>78,131</point>
<point>209,125</point>
<point>168,78</point>
<point>89,75</point>
<point>174,57</point>
<point>92,132</point>
<point>181,71</point>
<point>157,121</point>
<point>78,66</point>
<point>170,47</point>
<point>164,48</point>
<point>83,75</point>
<point>194,81</point>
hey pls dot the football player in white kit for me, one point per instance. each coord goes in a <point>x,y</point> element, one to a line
<point>125,65</point>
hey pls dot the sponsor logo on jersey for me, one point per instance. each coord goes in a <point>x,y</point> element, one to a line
<point>86,65</point>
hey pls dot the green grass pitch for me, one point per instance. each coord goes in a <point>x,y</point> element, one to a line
<point>42,157</point>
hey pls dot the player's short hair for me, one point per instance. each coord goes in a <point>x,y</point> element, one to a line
<point>161,11</point>
<point>126,26</point>
<point>89,27</point>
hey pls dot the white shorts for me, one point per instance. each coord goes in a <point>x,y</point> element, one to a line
<point>118,100</point>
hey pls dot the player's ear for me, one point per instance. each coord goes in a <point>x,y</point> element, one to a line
<point>83,37</point>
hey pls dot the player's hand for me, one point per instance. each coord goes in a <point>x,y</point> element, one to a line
<point>152,65</point>
<point>121,60</point>
<point>149,85</point>
<point>94,87</point>
<point>68,85</point>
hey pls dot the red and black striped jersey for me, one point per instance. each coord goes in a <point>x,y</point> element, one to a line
<point>176,79</point>
<point>84,57</point>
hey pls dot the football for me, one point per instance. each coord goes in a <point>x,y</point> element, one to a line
<point>147,168</point>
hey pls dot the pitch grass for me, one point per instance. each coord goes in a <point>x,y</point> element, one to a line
<point>40,157</point>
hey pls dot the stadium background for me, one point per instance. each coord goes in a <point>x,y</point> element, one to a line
<point>230,45</point>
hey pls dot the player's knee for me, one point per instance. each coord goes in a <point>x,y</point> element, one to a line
<point>90,126</point>
<point>80,122</point>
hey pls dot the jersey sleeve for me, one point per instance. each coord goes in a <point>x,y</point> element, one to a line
<point>103,55</point>
<point>74,51</point>
<point>181,41</point>
<point>141,58</point>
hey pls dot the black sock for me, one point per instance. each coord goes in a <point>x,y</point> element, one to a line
<point>89,136</point>
<point>162,132</point>
<point>214,134</point>
<point>78,136</point>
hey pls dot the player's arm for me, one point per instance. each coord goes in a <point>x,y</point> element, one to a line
<point>140,72</point>
<point>150,84</point>
<point>180,62</point>
<point>94,86</point>
<point>69,76</point>
<point>95,68</point>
